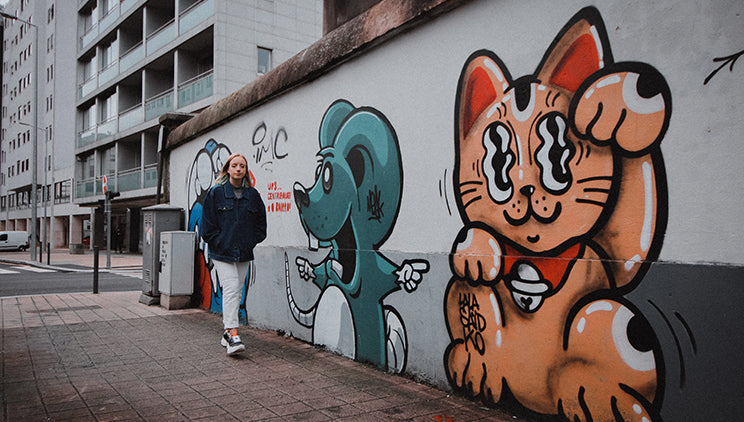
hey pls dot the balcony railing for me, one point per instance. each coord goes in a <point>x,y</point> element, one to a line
<point>151,175</point>
<point>131,56</point>
<point>89,36</point>
<point>108,73</point>
<point>161,37</point>
<point>110,18</point>
<point>107,128</point>
<point>84,188</point>
<point>87,136</point>
<point>194,15</point>
<point>124,181</point>
<point>159,104</point>
<point>195,89</point>
<point>88,86</point>
<point>130,180</point>
<point>131,117</point>
<point>126,5</point>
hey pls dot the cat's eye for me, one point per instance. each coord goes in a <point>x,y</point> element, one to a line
<point>499,159</point>
<point>554,153</point>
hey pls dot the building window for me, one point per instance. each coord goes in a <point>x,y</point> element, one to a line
<point>264,60</point>
<point>62,191</point>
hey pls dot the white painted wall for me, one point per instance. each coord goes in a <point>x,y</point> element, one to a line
<point>412,80</point>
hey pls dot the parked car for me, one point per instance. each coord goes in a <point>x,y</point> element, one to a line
<point>13,241</point>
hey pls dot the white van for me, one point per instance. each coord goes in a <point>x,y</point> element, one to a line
<point>13,241</point>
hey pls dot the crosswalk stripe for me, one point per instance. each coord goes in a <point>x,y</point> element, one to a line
<point>2,271</point>
<point>35,269</point>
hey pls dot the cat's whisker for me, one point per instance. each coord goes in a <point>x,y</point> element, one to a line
<point>590,202</point>
<point>477,198</point>
<point>594,179</point>
<point>600,190</point>
<point>470,182</point>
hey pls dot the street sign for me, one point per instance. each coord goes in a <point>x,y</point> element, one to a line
<point>104,184</point>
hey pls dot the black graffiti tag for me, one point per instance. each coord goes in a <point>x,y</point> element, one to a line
<point>473,323</point>
<point>374,204</point>
<point>266,152</point>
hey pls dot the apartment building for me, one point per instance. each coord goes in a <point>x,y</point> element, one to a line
<point>132,61</point>
<point>36,109</point>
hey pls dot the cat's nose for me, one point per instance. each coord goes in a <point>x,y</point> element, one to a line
<point>527,190</point>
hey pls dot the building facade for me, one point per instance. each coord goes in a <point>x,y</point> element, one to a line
<point>131,62</point>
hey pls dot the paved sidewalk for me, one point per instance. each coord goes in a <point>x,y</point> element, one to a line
<point>105,357</point>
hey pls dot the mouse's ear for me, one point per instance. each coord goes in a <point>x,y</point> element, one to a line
<point>332,120</point>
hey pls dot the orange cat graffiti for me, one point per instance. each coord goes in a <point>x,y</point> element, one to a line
<point>560,184</point>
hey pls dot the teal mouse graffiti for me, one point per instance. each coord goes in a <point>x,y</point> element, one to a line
<point>351,209</point>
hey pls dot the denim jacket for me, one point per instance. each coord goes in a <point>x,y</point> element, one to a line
<point>232,226</point>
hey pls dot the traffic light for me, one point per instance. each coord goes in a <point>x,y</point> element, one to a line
<point>112,194</point>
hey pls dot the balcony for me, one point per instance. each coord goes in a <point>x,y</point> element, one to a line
<point>130,180</point>
<point>85,188</point>
<point>109,19</point>
<point>161,37</point>
<point>131,117</point>
<point>126,180</point>
<point>86,137</point>
<point>131,56</point>
<point>97,132</point>
<point>195,89</point>
<point>88,37</point>
<point>126,5</point>
<point>151,175</point>
<point>88,86</point>
<point>108,73</point>
<point>107,128</point>
<point>194,15</point>
<point>159,104</point>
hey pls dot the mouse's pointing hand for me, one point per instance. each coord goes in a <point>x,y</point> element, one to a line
<point>410,273</point>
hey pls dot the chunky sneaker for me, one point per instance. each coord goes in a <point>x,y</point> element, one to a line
<point>233,343</point>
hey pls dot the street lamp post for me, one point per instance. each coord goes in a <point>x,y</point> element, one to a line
<point>34,158</point>
<point>45,194</point>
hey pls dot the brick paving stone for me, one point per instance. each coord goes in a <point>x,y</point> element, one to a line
<point>101,357</point>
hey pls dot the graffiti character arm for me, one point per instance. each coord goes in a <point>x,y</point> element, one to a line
<point>628,104</point>
<point>476,255</point>
<point>410,273</point>
<point>317,274</point>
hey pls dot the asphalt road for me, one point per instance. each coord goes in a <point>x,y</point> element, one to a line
<point>21,280</point>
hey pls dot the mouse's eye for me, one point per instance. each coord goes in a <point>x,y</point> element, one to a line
<point>317,171</point>
<point>327,177</point>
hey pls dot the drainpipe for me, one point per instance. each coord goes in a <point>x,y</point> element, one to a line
<point>168,122</point>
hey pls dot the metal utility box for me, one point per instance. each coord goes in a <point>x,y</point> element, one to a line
<point>176,268</point>
<point>156,219</point>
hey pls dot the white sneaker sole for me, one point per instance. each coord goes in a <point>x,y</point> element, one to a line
<point>232,350</point>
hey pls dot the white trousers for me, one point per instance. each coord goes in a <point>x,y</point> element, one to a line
<point>231,277</point>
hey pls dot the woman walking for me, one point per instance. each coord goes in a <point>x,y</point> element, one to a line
<point>233,223</point>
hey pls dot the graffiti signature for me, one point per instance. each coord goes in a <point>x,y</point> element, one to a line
<point>266,152</point>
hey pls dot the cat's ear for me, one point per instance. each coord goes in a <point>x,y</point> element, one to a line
<point>580,49</point>
<point>483,80</point>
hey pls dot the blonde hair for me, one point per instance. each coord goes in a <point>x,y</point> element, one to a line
<point>224,177</point>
